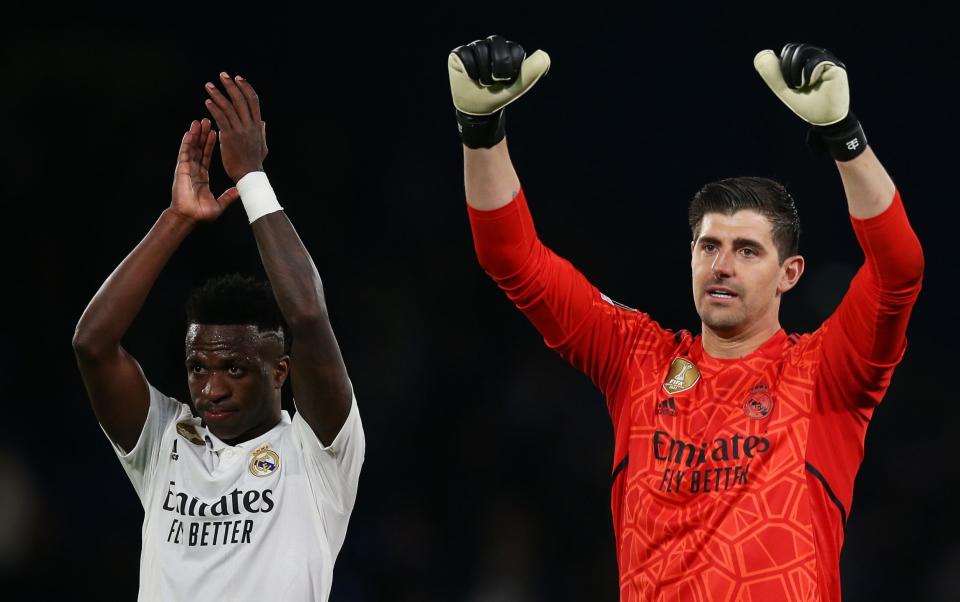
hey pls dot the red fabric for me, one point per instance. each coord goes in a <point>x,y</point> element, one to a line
<point>716,496</point>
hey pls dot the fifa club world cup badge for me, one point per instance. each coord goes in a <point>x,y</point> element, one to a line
<point>683,374</point>
<point>265,462</point>
<point>759,402</point>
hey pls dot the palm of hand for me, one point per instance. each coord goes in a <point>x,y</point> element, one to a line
<point>192,196</point>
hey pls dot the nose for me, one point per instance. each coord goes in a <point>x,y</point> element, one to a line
<point>722,265</point>
<point>215,388</point>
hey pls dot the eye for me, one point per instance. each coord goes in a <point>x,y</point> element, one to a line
<point>235,371</point>
<point>748,252</point>
<point>709,247</point>
<point>195,369</point>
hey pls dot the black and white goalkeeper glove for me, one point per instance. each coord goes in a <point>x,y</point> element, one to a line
<point>812,82</point>
<point>485,76</point>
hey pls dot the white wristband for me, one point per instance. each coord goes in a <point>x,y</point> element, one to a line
<point>257,195</point>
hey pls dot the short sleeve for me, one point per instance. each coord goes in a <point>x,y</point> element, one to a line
<point>140,462</point>
<point>333,470</point>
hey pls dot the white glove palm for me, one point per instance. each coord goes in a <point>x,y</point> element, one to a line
<point>473,98</point>
<point>823,96</point>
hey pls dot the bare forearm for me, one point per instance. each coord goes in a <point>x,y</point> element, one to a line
<point>867,185</point>
<point>292,273</point>
<point>120,298</point>
<point>489,177</point>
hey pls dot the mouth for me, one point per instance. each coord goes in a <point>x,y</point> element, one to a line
<point>721,293</point>
<point>218,414</point>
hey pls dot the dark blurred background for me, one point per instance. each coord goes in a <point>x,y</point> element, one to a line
<point>488,459</point>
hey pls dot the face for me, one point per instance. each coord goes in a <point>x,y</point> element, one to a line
<point>737,274</point>
<point>235,373</point>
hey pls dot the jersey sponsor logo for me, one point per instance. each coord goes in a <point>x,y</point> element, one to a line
<point>265,462</point>
<point>759,402</point>
<point>216,522</point>
<point>682,376</point>
<point>684,473</point>
<point>189,432</point>
<point>667,407</point>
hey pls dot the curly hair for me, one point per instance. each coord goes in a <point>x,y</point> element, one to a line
<point>236,299</point>
<point>767,197</point>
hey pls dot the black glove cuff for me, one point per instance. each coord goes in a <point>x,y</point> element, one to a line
<point>843,140</point>
<point>481,131</point>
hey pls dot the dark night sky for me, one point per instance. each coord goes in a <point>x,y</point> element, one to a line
<point>488,458</point>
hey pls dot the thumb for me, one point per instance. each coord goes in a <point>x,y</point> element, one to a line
<point>768,66</point>
<point>228,197</point>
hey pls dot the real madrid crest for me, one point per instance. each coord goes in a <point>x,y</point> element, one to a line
<point>265,462</point>
<point>759,402</point>
<point>683,375</point>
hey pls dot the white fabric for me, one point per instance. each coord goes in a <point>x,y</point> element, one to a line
<point>214,530</point>
<point>472,98</point>
<point>257,195</point>
<point>825,99</point>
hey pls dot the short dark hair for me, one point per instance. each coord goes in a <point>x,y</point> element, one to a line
<point>236,299</point>
<point>766,197</point>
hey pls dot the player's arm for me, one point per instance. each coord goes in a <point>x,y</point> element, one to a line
<point>585,327</point>
<point>114,381</point>
<point>873,316</point>
<point>321,388</point>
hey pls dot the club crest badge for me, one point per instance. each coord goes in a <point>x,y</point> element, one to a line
<point>265,462</point>
<point>759,402</point>
<point>189,432</point>
<point>683,375</point>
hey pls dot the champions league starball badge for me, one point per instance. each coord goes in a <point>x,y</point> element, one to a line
<point>265,462</point>
<point>759,402</point>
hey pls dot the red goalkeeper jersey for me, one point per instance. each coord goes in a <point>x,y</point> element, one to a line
<point>732,478</point>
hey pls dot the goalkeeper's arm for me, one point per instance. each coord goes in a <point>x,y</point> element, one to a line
<point>485,76</point>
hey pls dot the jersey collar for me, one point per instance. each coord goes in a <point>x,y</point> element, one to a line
<point>215,445</point>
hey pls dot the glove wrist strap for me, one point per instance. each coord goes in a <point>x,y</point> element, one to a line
<point>481,131</point>
<point>843,140</point>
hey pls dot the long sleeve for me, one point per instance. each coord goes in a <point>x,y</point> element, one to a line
<point>588,329</point>
<point>866,336</point>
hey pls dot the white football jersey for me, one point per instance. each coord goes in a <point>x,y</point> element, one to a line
<point>261,520</point>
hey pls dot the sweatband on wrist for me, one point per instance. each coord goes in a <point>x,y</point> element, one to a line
<point>257,195</point>
<point>843,140</point>
<point>481,131</point>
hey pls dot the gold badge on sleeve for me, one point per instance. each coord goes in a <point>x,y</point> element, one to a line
<point>683,375</point>
<point>265,462</point>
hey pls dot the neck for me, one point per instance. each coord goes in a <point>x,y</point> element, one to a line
<point>733,344</point>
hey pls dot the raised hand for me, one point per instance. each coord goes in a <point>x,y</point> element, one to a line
<point>192,197</point>
<point>243,140</point>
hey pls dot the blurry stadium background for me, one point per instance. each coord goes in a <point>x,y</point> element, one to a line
<point>488,459</point>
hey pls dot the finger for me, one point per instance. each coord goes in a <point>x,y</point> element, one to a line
<point>228,197</point>
<point>768,66</point>
<point>253,101</point>
<point>211,141</point>
<point>238,100</point>
<point>228,116</point>
<point>218,115</point>
<point>501,60</point>
<point>183,156</point>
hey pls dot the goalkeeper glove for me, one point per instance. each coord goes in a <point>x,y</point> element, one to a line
<point>485,76</point>
<point>812,82</point>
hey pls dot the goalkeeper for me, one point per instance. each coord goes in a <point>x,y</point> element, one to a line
<point>736,448</point>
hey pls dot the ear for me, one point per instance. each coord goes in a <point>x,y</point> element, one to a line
<point>790,273</point>
<point>281,370</point>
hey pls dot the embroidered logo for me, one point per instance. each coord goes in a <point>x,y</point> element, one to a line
<point>667,407</point>
<point>265,462</point>
<point>683,375</point>
<point>759,402</point>
<point>173,453</point>
<point>189,432</point>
